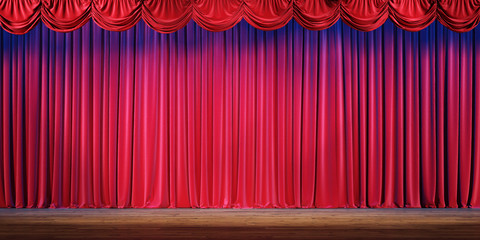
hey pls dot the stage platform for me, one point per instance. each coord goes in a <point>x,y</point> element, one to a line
<point>239,223</point>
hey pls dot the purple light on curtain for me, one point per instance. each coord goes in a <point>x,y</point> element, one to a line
<point>241,118</point>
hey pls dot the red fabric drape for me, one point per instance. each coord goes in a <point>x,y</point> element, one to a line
<point>20,16</point>
<point>241,118</point>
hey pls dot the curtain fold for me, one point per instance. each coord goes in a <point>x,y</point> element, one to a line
<point>166,16</point>
<point>244,118</point>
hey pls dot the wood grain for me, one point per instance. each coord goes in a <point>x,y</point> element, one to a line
<point>239,223</point>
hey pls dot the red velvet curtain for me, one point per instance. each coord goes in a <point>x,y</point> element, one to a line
<point>240,118</point>
<point>20,16</point>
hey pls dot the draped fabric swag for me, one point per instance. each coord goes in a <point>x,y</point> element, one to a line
<point>241,118</point>
<point>166,16</point>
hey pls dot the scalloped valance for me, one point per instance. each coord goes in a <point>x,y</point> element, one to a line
<point>20,16</point>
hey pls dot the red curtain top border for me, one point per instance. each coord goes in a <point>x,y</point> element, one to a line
<point>166,16</point>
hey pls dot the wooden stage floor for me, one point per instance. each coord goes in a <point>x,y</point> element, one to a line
<point>239,223</point>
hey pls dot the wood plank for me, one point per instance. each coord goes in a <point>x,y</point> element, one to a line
<point>239,223</point>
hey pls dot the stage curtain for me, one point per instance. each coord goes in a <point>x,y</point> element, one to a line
<point>242,118</point>
<point>166,16</point>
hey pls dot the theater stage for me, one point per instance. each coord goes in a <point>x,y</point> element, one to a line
<point>239,223</point>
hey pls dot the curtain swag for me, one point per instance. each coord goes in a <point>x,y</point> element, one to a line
<point>166,16</point>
